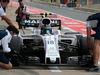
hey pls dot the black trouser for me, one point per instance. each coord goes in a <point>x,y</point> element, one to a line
<point>20,26</point>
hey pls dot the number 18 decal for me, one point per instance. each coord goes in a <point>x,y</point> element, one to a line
<point>50,42</point>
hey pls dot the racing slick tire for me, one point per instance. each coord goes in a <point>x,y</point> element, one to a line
<point>16,46</point>
<point>84,46</point>
<point>16,43</point>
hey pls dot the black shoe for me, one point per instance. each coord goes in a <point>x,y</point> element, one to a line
<point>93,69</point>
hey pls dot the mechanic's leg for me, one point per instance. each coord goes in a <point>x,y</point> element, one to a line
<point>96,51</point>
<point>6,66</point>
<point>95,68</point>
<point>20,27</point>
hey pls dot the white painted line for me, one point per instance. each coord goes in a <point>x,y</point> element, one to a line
<point>54,69</point>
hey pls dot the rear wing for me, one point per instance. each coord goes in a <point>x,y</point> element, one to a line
<point>37,22</point>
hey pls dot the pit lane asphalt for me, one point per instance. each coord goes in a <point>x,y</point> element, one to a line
<point>40,70</point>
<point>64,11</point>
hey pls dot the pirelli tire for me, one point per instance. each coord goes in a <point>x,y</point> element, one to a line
<point>16,43</point>
<point>16,46</point>
<point>84,47</point>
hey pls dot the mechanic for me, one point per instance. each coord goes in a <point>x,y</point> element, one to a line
<point>93,22</point>
<point>5,38</point>
<point>22,12</point>
<point>3,4</point>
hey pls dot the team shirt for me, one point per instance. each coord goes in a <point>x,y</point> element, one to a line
<point>25,9</point>
<point>5,41</point>
<point>2,13</point>
<point>94,22</point>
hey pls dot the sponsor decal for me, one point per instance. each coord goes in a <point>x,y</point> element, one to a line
<point>32,21</point>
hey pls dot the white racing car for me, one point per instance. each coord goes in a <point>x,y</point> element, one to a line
<point>47,46</point>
